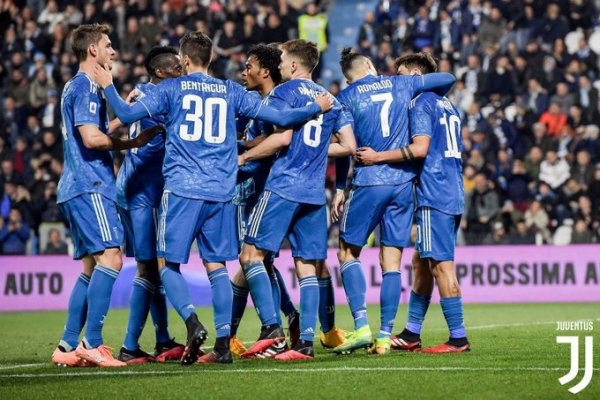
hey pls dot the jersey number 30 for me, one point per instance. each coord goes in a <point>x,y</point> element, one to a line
<point>200,118</point>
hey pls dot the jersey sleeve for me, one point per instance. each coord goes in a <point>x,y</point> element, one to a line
<point>156,100</point>
<point>344,118</point>
<point>437,82</point>
<point>86,108</point>
<point>420,117</point>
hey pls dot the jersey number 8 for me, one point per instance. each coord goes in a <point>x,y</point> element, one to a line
<point>198,109</point>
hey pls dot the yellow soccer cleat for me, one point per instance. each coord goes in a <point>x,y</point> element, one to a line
<point>381,346</point>
<point>360,338</point>
<point>334,338</point>
<point>237,346</point>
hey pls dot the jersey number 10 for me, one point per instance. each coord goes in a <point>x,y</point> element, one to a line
<point>452,126</point>
<point>199,109</point>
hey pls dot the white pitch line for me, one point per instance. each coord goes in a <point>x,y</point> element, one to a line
<point>286,370</point>
<point>475,327</point>
<point>4,367</point>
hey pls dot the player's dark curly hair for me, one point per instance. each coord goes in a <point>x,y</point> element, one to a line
<point>197,46</point>
<point>423,61</point>
<point>347,59</point>
<point>268,57</point>
<point>157,57</point>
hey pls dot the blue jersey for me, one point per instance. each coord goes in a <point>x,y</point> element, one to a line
<point>440,183</point>
<point>201,146</point>
<point>379,108</point>
<point>298,173</point>
<point>257,170</point>
<point>140,181</point>
<point>85,170</point>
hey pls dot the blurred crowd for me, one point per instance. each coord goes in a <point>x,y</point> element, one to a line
<point>526,90</point>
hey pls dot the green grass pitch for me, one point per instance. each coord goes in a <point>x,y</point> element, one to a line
<point>514,356</point>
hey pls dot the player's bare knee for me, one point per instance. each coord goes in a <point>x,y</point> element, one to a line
<point>239,279</point>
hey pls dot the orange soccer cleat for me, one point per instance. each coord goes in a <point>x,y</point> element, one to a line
<point>68,359</point>
<point>100,356</point>
<point>445,348</point>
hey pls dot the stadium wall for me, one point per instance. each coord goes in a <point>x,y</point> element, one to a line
<point>487,274</point>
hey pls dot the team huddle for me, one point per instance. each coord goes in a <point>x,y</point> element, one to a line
<point>188,175</point>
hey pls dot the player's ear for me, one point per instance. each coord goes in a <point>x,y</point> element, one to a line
<point>93,50</point>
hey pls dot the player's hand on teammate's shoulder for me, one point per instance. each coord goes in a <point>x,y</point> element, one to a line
<point>325,101</point>
<point>241,160</point>
<point>132,96</point>
<point>102,76</point>
<point>366,156</point>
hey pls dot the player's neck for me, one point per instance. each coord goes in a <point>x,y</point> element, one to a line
<point>87,67</point>
<point>302,75</point>
<point>266,88</point>
<point>195,69</point>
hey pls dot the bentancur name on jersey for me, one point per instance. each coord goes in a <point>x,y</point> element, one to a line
<point>203,87</point>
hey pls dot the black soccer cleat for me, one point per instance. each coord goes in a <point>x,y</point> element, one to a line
<point>195,339</point>
<point>133,357</point>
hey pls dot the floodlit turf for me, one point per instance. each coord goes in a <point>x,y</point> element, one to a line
<point>515,356</point>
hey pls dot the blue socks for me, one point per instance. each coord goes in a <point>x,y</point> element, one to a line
<point>417,308</point>
<point>287,306</point>
<point>355,286</point>
<point>98,299</point>
<point>326,304</point>
<point>309,306</point>
<point>77,312</point>
<point>453,312</point>
<point>240,299</point>
<point>222,299</point>
<point>139,305</point>
<point>391,287</point>
<point>276,292</point>
<point>260,290</point>
<point>177,290</point>
<point>158,310</point>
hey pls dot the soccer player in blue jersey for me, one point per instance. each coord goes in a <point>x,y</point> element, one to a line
<point>87,197</point>
<point>435,128</point>
<point>200,174</point>
<point>381,194</point>
<point>139,190</point>
<point>261,74</point>
<point>293,201</point>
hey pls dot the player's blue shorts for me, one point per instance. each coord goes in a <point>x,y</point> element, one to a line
<point>94,222</point>
<point>181,220</point>
<point>140,237</point>
<point>391,207</point>
<point>436,234</point>
<point>274,217</point>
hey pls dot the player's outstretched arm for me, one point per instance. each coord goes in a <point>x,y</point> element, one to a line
<point>290,117</point>
<point>437,82</point>
<point>94,138</point>
<point>416,150</point>
<point>271,145</point>
<point>345,145</point>
<point>126,113</point>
